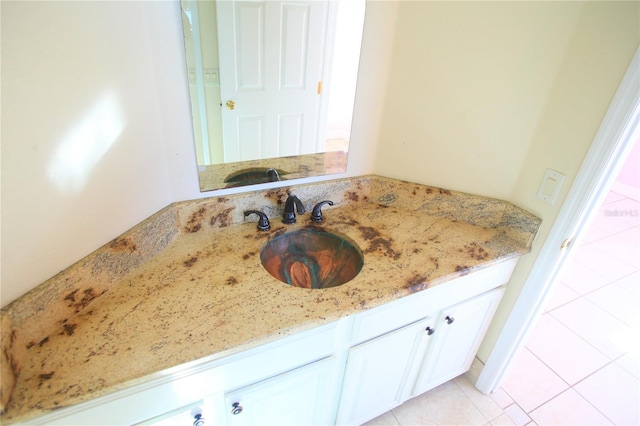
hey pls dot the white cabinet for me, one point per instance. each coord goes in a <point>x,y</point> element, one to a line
<point>456,338</point>
<point>384,372</point>
<point>376,373</point>
<point>298,397</point>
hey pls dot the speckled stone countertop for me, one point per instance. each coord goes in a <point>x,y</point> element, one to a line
<point>187,283</point>
<point>294,167</point>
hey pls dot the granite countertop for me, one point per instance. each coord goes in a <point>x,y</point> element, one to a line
<point>187,284</point>
<point>295,167</point>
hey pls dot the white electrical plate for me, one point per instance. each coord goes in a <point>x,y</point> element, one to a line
<point>550,186</point>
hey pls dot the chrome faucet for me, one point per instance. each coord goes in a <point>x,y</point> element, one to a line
<point>292,204</point>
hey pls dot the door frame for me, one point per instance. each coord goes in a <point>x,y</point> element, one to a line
<point>618,131</point>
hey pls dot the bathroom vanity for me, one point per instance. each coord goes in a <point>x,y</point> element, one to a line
<point>177,318</point>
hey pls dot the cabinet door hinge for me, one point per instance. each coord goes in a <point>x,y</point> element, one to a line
<point>319,87</point>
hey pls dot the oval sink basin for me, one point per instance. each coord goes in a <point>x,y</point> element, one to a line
<point>311,258</point>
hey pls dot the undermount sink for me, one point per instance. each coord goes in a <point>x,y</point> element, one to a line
<point>312,258</point>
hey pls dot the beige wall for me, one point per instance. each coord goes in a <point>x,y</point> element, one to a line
<point>467,87</point>
<point>601,48</point>
<point>83,151</point>
<point>483,97</point>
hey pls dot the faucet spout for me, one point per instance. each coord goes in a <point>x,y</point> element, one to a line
<point>263,221</point>
<point>292,205</point>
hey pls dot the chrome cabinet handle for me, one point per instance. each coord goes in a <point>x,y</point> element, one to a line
<point>450,319</point>
<point>236,408</point>
<point>430,331</point>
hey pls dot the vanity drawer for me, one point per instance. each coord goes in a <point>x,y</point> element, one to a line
<point>391,316</point>
<point>277,357</point>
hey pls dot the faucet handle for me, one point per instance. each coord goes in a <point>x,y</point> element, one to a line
<point>263,221</point>
<point>316,214</point>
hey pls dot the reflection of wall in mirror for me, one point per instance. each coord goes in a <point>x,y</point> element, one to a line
<point>203,37</point>
<point>344,74</point>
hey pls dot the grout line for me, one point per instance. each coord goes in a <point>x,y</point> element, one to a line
<point>554,372</point>
<point>591,404</point>
<point>521,409</point>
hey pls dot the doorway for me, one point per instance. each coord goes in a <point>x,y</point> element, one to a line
<point>611,146</point>
<point>580,365</point>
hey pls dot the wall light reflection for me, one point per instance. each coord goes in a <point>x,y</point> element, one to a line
<point>86,144</point>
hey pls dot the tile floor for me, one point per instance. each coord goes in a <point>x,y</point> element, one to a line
<point>580,365</point>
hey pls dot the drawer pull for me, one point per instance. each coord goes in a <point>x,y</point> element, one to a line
<point>199,420</point>
<point>450,319</point>
<point>236,408</point>
<point>429,331</point>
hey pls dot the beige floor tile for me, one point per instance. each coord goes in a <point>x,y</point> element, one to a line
<point>631,283</point>
<point>631,363</point>
<point>615,393</point>
<point>606,333</point>
<point>582,280</point>
<point>502,398</point>
<point>621,248</point>
<point>387,419</point>
<point>611,219</point>
<point>531,383</point>
<point>557,346</point>
<point>517,415</point>
<point>612,197</point>
<point>593,234</point>
<point>487,406</point>
<point>626,210</point>
<point>631,235</point>
<point>503,420</point>
<point>594,258</point>
<point>568,408</point>
<point>561,295</point>
<point>444,405</point>
<point>619,302</point>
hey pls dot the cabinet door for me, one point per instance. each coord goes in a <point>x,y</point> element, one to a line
<point>376,374</point>
<point>458,334</point>
<point>304,396</point>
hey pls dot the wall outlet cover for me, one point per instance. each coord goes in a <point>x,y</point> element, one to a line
<point>550,186</point>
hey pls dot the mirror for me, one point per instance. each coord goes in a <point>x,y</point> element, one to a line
<point>272,86</point>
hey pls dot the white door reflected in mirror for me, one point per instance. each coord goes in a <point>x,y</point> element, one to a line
<point>271,62</point>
